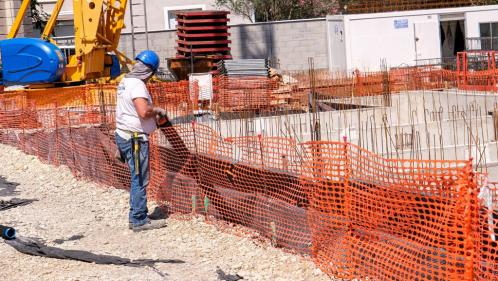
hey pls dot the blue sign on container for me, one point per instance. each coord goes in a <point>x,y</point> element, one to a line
<point>403,23</point>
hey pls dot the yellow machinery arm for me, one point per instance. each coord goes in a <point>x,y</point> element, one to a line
<point>97,30</point>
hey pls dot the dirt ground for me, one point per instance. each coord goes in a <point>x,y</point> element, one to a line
<point>96,218</point>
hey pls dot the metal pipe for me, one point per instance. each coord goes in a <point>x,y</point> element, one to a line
<point>146,26</point>
<point>7,233</point>
<point>132,30</point>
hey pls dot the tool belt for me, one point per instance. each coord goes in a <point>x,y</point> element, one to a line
<point>120,132</point>
<point>135,142</point>
<point>136,152</point>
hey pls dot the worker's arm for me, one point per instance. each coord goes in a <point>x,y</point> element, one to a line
<point>145,110</point>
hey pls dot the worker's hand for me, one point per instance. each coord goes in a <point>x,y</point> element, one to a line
<point>162,119</point>
<point>160,112</point>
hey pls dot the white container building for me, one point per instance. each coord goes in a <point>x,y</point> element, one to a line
<point>367,41</point>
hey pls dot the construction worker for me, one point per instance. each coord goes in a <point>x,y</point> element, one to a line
<point>135,121</point>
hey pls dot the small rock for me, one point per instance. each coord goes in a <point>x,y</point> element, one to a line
<point>317,272</point>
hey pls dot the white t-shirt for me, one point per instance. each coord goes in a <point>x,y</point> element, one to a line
<point>126,115</point>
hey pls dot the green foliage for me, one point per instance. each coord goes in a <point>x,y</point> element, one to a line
<point>38,16</point>
<point>241,7</point>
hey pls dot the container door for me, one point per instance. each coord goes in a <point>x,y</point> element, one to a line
<point>427,38</point>
<point>337,46</point>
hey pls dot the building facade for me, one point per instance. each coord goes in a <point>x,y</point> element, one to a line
<point>408,38</point>
<point>159,14</point>
<point>8,12</point>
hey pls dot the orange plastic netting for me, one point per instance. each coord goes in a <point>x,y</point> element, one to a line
<point>359,215</point>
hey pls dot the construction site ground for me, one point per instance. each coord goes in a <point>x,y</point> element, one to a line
<point>96,218</point>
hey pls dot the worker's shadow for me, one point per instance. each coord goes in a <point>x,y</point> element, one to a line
<point>8,188</point>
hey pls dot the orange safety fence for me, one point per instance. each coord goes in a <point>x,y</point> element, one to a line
<point>244,93</point>
<point>357,214</point>
<point>486,236</point>
<point>359,84</point>
<point>386,219</point>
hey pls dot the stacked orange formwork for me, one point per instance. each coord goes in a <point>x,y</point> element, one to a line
<point>203,34</point>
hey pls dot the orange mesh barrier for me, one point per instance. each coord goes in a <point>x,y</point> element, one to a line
<point>389,219</point>
<point>359,215</point>
<point>173,96</point>
<point>328,85</point>
<point>486,243</point>
<point>245,93</point>
<point>476,70</point>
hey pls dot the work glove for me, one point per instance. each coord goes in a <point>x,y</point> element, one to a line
<point>162,119</point>
<point>160,112</point>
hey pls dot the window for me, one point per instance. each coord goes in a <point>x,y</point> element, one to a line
<point>489,35</point>
<point>170,13</point>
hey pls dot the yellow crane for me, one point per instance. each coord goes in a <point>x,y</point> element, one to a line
<point>97,30</point>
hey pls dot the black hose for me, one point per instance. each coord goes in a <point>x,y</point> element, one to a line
<point>7,233</point>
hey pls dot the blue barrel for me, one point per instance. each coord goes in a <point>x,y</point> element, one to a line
<point>31,61</point>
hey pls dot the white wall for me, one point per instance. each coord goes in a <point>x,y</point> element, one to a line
<point>337,45</point>
<point>472,20</point>
<point>372,40</point>
<point>48,6</point>
<point>369,38</point>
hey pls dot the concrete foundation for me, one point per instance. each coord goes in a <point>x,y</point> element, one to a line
<point>436,125</point>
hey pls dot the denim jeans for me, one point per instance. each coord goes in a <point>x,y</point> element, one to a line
<point>139,182</point>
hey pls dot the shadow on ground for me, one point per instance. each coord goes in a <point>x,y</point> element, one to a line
<point>8,188</point>
<point>36,247</point>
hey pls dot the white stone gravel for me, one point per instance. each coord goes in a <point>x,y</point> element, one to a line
<point>67,206</point>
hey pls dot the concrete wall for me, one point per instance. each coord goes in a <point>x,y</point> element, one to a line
<point>157,18</point>
<point>291,43</point>
<point>163,42</point>
<point>419,125</point>
<point>8,12</point>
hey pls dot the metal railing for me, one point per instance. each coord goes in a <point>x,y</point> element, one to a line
<point>66,44</point>
<point>448,63</point>
<point>64,40</point>
<point>481,43</point>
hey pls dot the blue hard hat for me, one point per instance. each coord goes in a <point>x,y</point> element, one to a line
<point>149,58</point>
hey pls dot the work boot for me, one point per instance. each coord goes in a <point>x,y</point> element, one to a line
<point>150,224</point>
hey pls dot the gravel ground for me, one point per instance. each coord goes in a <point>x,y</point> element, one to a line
<point>67,207</point>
